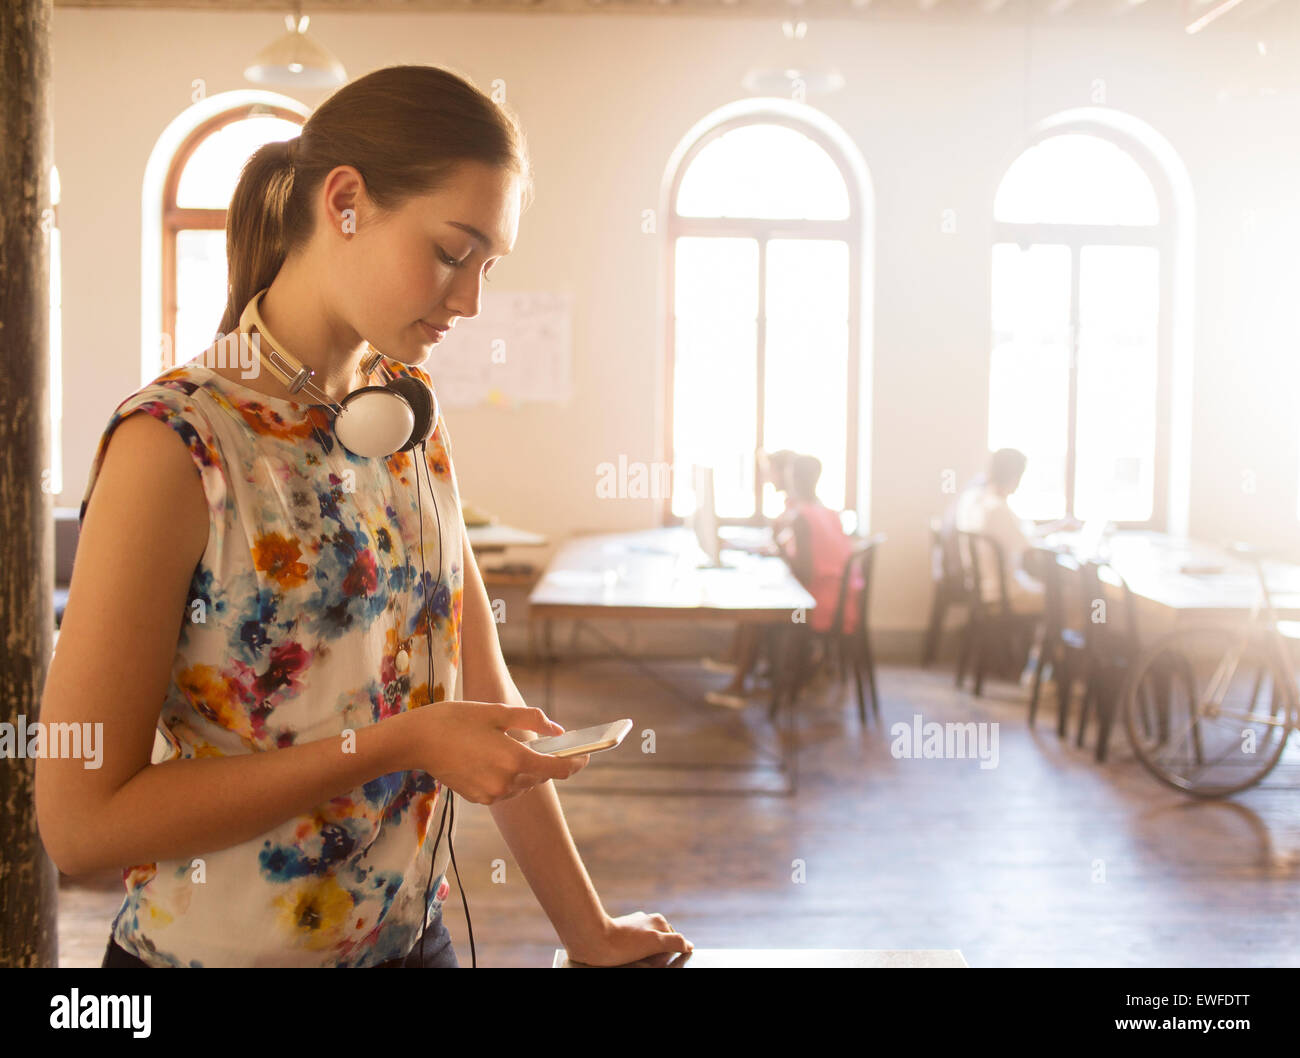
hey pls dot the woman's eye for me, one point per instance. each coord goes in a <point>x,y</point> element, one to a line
<point>448,259</point>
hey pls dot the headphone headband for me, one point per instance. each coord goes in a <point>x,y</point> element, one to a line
<point>371,421</point>
<point>290,370</point>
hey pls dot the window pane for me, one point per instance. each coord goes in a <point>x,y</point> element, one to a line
<point>209,177</point>
<point>715,370</point>
<point>200,290</point>
<point>1029,378</point>
<point>1076,179</point>
<point>766,171</point>
<point>806,359</point>
<point>1119,303</point>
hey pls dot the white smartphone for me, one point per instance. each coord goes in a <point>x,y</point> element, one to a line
<point>586,740</point>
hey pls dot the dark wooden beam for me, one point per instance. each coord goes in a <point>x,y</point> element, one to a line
<point>28,880</point>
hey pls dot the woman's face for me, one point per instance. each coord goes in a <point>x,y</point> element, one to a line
<point>427,261</point>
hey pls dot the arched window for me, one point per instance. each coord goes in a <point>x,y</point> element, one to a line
<point>1083,301</point>
<point>766,237</point>
<point>195,167</point>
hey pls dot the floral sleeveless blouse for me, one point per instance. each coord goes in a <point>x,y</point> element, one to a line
<point>305,619</point>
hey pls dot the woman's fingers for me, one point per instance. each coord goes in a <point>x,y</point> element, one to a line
<point>527,717</point>
<point>673,941</point>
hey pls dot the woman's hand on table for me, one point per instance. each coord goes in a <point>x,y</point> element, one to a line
<point>632,938</point>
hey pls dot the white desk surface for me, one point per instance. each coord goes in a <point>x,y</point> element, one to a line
<point>499,537</point>
<point>799,958</point>
<point>1189,578</point>
<point>656,573</point>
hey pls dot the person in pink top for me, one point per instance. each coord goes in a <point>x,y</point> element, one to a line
<point>816,548</point>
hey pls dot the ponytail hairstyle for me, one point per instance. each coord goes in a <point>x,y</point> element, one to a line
<point>405,128</point>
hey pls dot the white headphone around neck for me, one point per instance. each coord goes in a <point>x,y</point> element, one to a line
<point>372,421</point>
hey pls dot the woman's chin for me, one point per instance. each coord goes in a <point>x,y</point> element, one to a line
<point>412,354</point>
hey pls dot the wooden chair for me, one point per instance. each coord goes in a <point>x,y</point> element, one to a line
<point>995,631</point>
<point>1061,646</point>
<point>856,648</point>
<point>950,588</point>
<point>1110,632</point>
<point>838,648</point>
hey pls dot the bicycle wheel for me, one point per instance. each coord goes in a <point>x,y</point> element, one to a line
<point>1208,710</point>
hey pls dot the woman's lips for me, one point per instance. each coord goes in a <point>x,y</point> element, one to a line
<point>435,333</point>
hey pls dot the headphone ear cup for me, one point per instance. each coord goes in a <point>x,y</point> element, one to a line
<point>420,398</point>
<point>373,422</point>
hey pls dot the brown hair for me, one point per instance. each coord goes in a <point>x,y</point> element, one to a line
<point>805,471</point>
<point>405,128</point>
<point>1007,466</point>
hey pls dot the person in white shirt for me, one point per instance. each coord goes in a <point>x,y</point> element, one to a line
<point>983,508</point>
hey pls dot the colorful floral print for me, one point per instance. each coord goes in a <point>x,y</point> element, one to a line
<point>306,618</point>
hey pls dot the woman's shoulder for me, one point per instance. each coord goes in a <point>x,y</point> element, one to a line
<point>174,398</point>
<point>183,380</point>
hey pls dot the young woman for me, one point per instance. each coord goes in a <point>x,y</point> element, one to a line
<point>304,628</point>
<point>816,548</point>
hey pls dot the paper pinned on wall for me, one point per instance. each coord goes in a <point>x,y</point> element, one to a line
<point>518,349</point>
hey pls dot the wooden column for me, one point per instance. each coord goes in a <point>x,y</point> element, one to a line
<point>28,880</point>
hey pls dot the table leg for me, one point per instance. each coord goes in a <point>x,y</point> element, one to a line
<point>787,680</point>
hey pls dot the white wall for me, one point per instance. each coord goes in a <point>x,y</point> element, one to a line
<point>937,110</point>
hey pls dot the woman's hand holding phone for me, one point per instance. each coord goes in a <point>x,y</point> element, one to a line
<point>467,746</point>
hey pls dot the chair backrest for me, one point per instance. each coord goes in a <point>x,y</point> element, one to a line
<point>67,531</point>
<point>945,562</point>
<point>1066,577</point>
<point>862,559</point>
<point>1109,611</point>
<point>1046,566</point>
<point>980,552</point>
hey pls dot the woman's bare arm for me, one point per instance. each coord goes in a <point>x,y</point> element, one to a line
<point>145,529</point>
<point>144,532</point>
<point>534,826</point>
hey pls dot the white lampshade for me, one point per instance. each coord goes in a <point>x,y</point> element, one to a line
<point>296,59</point>
<point>792,68</point>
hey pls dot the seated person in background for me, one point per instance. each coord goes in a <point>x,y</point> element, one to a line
<point>816,548</point>
<point>982,507</point>
<point>773,467</point>
<point>776,468</point>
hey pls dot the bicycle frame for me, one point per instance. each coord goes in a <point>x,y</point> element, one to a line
<point>1263,619</point>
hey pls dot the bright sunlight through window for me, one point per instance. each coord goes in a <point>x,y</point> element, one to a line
<point>1075,312</point>
<point>795,338</point>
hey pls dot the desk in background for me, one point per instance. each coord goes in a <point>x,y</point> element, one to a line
<point>487,539</point>
<point>656,574</point>
<point>1177,579</point>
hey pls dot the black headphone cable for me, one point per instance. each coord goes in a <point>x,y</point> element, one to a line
<point>450,799</point>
